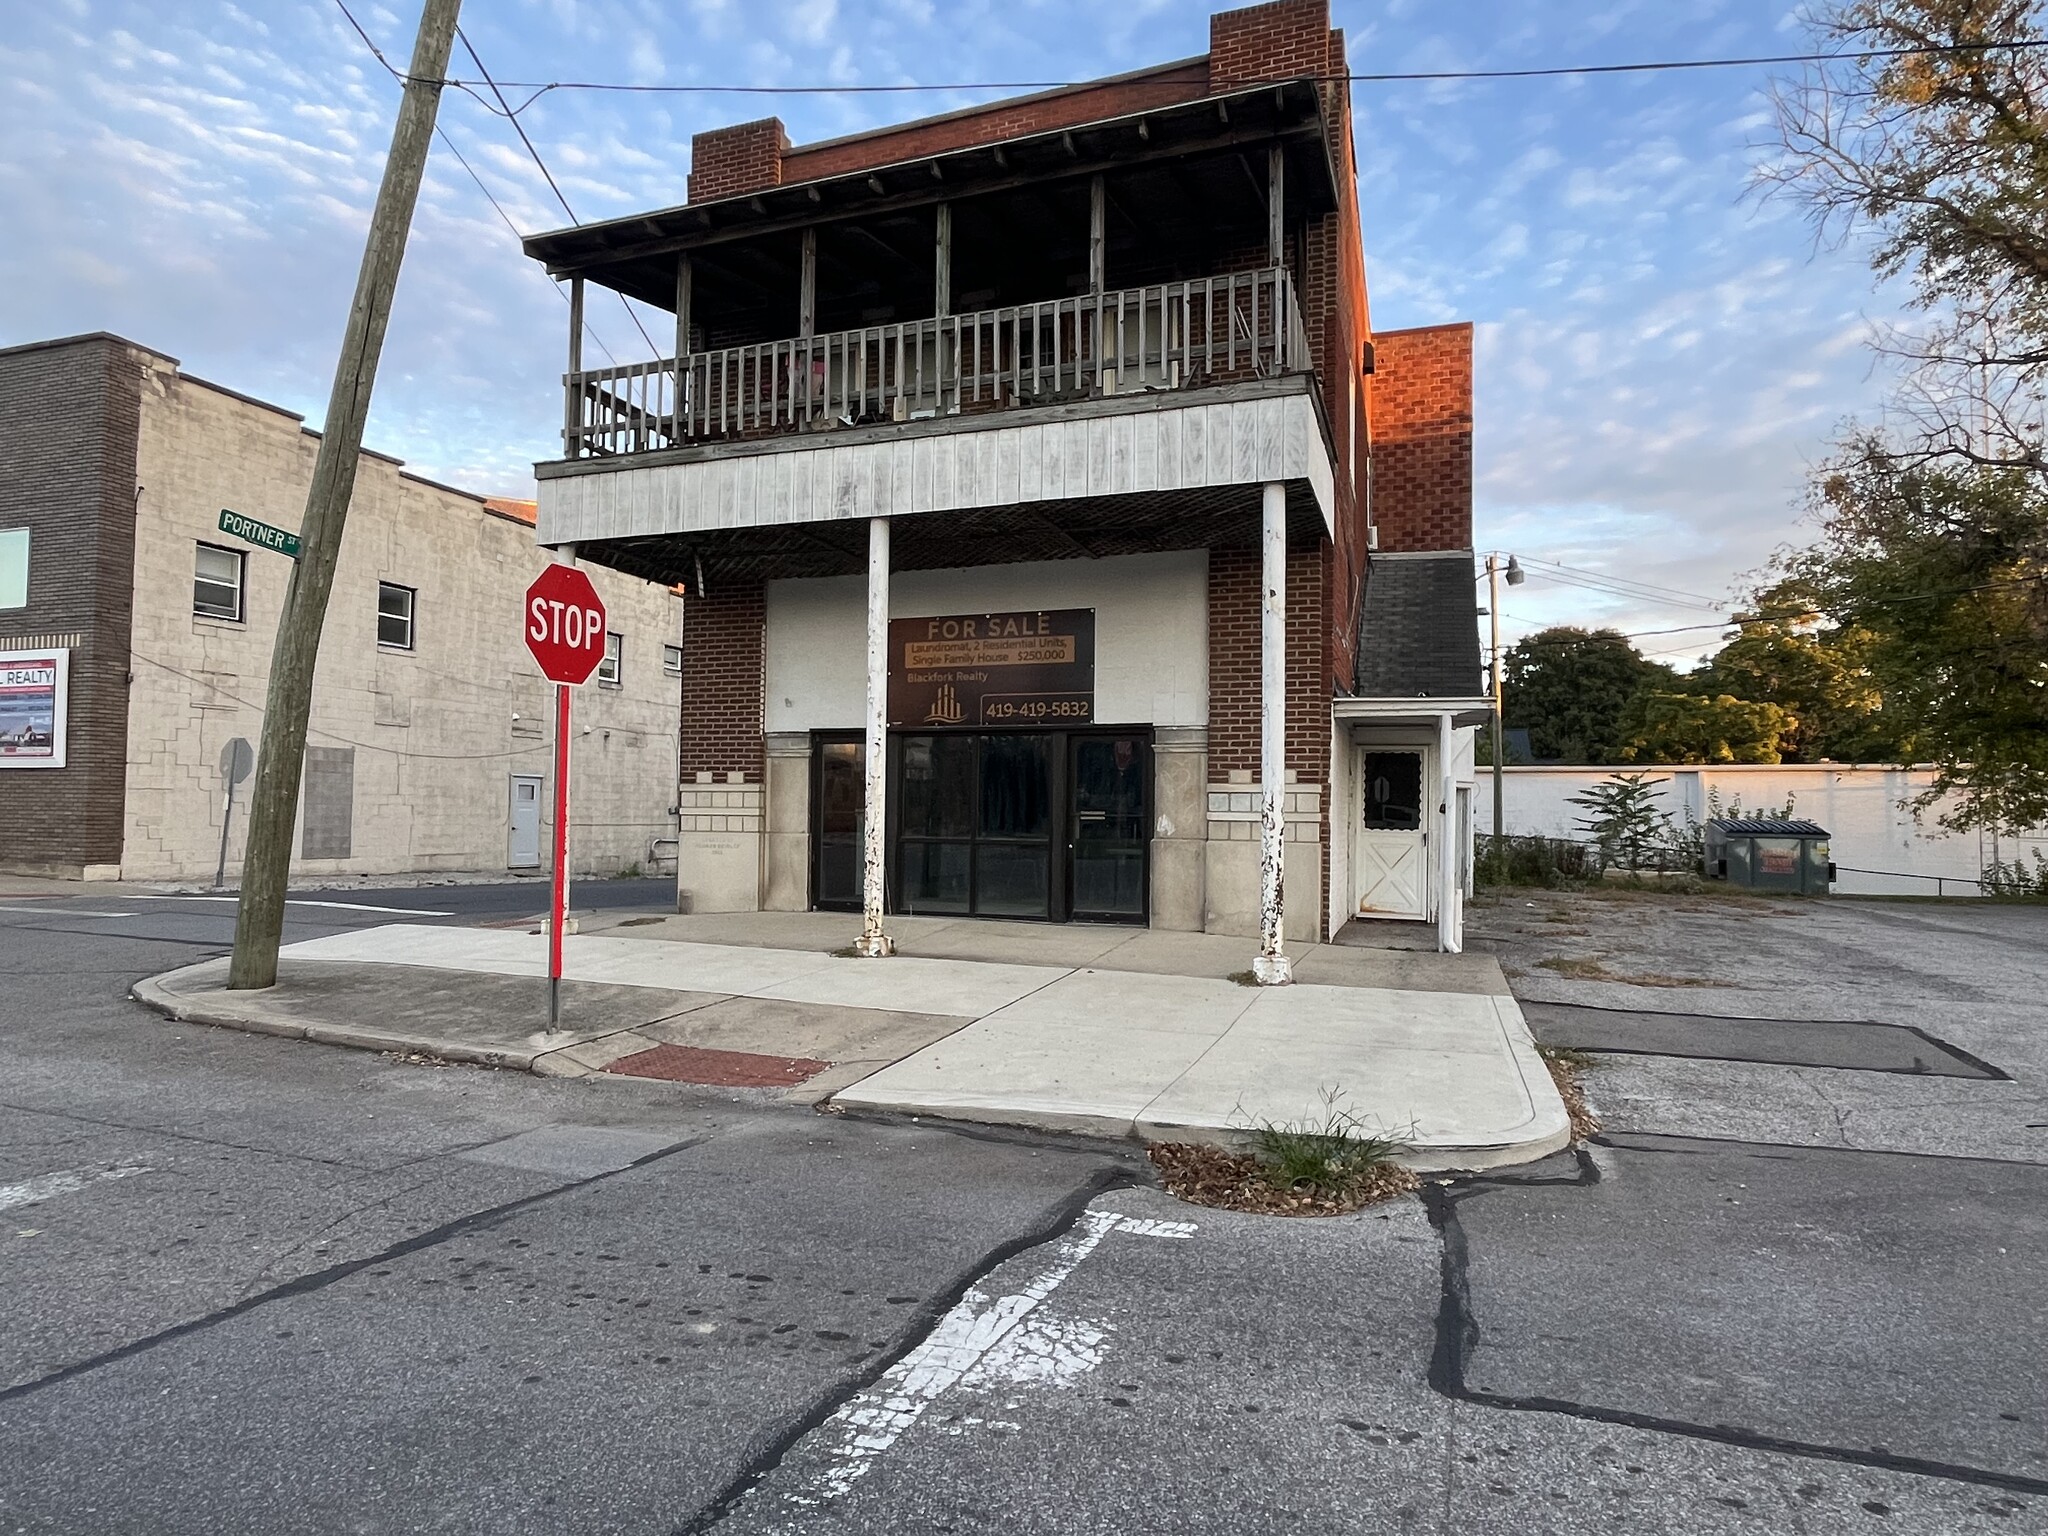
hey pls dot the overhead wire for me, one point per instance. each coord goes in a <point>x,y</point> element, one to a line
<point>553,185</point>
<point>553,283</point>
<point>1376,77</point>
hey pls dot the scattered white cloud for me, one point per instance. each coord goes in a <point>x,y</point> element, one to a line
<point>1662,359</point>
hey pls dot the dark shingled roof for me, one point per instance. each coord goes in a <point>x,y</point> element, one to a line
<point>1419,633</point>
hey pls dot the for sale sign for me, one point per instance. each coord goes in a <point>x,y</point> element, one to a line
<point>33,703</point>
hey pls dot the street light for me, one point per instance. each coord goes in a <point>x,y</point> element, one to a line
<point>1516,576</point>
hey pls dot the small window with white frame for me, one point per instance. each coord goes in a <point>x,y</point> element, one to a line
<point>613,666</point>
<point>672,660</point>
<point>13,567</point>
<point>395,606</point>
<point>217,582</point>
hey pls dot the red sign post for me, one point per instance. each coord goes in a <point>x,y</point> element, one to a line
<point>565,630</point>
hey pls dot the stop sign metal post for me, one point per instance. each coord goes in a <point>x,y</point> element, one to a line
<point>565,631</point>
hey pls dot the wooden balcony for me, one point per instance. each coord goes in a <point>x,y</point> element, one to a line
<point>1165,336</point>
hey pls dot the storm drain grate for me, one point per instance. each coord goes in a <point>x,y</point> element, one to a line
<point>720,1069</point>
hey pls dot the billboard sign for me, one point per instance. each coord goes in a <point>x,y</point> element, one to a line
<point>1030,668</point>
<point>34,698</point>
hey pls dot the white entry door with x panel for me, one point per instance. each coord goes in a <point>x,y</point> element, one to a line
<point>1391,858</point>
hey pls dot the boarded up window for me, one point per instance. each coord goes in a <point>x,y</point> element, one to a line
<point>328,817</point>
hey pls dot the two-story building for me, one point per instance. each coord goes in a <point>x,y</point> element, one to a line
<point>139,600</point>
<point>1060,540</point>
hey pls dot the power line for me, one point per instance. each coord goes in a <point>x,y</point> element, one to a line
<point>507,218</point>
<point>1838,614</point>
<point>1382,77</point>
<point>519,128</point>
<point>1624,581</point>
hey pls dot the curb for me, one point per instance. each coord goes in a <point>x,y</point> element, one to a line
<point>257,1019</point>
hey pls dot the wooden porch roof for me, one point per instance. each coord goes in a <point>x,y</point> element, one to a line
<point>636,255</point>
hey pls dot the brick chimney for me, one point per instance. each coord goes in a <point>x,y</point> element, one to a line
<point>1281,41</point>
<point>746,157</point>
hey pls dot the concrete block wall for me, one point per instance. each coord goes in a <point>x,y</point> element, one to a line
<point>437,732</point>
<point>68,423</point>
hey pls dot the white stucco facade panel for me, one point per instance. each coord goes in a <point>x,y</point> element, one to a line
<point>1151,633</point>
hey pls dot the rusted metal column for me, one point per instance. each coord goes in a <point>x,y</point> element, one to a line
<point>873,941</point>
<point>1272,968</point>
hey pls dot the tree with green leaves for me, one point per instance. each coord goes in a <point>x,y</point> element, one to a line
<point>1785,651</point>
<point>1947,570</point>
<point>1571,689</point>
<point>1699,727</point>
<point>1927,129</point>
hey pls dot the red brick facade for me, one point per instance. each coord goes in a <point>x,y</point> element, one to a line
<point>1234,665</point>
<point>1422,438</point>
<point>723,658</point>
<point>1412,419</point>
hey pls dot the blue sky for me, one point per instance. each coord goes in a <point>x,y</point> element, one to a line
<point>1662,358</point>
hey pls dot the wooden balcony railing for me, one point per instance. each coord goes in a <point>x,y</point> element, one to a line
<point>1165,336</point>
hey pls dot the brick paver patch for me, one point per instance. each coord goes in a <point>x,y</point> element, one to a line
<point>722,1069</point>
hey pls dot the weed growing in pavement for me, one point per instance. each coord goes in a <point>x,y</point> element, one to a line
<point>1333,1155</point>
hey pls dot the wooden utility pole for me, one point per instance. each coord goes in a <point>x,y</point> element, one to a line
<point>274,807</point>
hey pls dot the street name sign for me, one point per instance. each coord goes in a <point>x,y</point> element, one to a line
<point>262,535</point>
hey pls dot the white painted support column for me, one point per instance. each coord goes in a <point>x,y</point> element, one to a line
<point>1272,968</point>
<point>873,941</point>
<point>1450,880</point>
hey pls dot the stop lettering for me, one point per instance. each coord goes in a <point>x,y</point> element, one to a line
<point>565,624</point>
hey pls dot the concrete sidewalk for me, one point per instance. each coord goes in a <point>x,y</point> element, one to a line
<point>1153,1047</point>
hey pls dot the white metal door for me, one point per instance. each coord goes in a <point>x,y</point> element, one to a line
<point>1391,861</point>
<point>523,851</point>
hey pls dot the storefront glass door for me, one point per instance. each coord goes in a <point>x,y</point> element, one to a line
<point>1031,824</point>
<point>838,771</point>
<point>1110,824</point>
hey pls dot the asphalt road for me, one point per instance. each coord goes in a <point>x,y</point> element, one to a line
<point>250,1285</point>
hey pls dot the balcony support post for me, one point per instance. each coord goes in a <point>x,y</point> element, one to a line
<point>807,288</point>
<point>1272,967</point>
<point>1276,206</point>
<point>942,270</point>
<point>874,943</point>
<point>684,277</point>
<point>1098,234</point>
<point>572,396</point>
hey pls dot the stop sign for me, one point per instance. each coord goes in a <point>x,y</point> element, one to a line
<point>565,624</point>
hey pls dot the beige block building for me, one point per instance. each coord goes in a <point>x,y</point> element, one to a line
<point>430,746</point>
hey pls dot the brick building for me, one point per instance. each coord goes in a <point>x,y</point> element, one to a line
<point>1038,480</point>
<point>135,641</point>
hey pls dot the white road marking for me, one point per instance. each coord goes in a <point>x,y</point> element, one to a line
<point>987,1340</point>
<point>63,912</point>
<point>294,901</point>
<point>66,1181</point>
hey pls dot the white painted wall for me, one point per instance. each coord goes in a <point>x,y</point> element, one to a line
<point>1862,807</point>
<point>1151,633</point>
